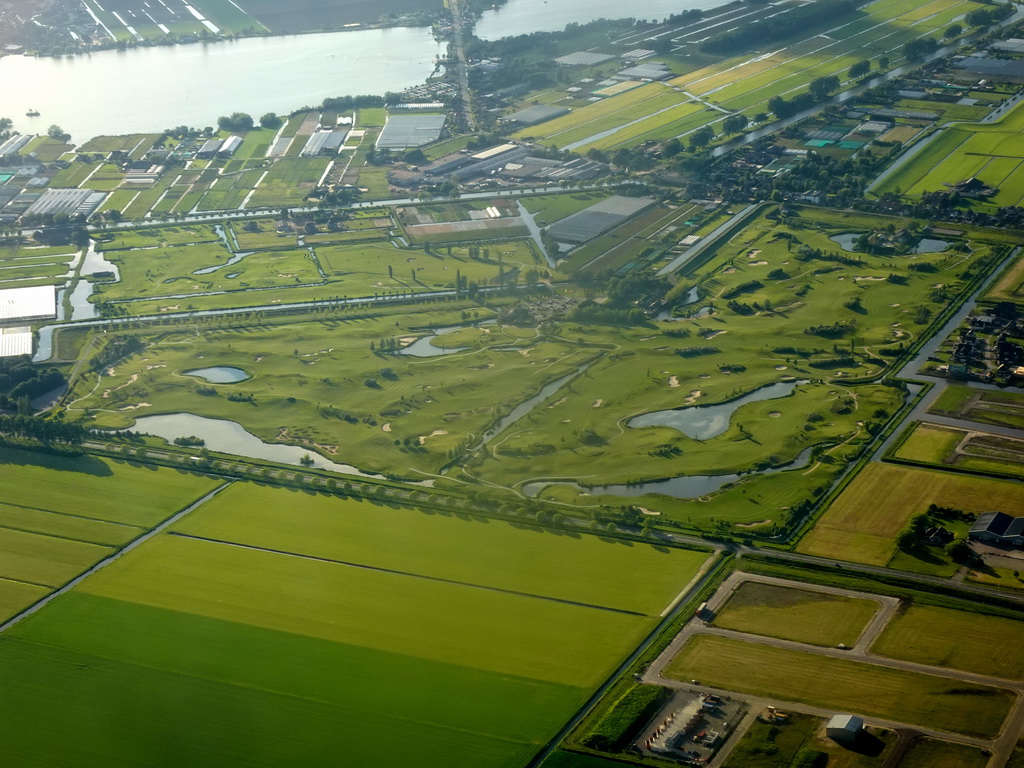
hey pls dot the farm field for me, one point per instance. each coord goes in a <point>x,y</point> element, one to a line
<point>456,547</point>
<point>990,152</point>
<point>941,637</point>
<point>931,753</point>
<point>676,108</point>
<point>1010,285</point>
<point>857,528</point>
<point>1004,409</point>
<point>801,615</point>
<point>766,745</point>
<point>854,686</point>
<point>60,516</point>
<point>483,681</point>
<point>978,451</point>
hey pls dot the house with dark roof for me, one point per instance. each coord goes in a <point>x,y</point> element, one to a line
<point>998,528</point>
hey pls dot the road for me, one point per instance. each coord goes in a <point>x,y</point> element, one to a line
<point>1000,747</point>
<point>462,66</point>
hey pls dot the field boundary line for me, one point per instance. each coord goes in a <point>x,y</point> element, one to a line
<point>392,571</point>
<point>42,603</point>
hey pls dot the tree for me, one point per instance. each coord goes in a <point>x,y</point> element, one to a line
<point>672,148</point>
<point>735,123</point>
<point>271,120</point>
<point>236,121</point>
<point>821,87</point>
<point>883,62</point>
<point>701,137</point>
<point>58,133</point>
<point>954,30</point>
<point>978,18</point>
<point>859,69</point>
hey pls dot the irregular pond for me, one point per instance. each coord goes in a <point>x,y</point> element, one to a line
<point>702,422</point>
<point>931,245</point>
<point>685,487</point>
<point>219,374</point>
<point>230,437</point>
<point>233,260</point>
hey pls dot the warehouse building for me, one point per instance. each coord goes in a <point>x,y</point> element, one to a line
<point>73,202</point>
<point>18,308</point>
<point>536,114</point>
<point>598,218</point>
<point>408,131</point>
<point>324,143</point>
<point>998,528</point>
<point>844,729</point>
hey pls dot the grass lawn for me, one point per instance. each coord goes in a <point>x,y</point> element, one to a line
<point>930,443</point>
<point>931,753</point>
<point>854,686</point>
<point>1005,409</point>
<point>563,759</point>
<point>776,745</point>
<point>449,546</point>
<point>941,637</point>
<point>999,577</point>
<point>857,527</point>
<point>802,615</point>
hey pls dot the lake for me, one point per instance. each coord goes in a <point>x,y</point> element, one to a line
<point>144,90</point>
<point>520,17</point>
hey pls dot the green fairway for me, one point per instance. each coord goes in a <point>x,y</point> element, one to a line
<point>456,547</point>
<point>803,615</point>
<point>867,689</point>
<point>986,645</point>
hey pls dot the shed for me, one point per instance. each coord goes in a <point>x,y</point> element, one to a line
<point>844,729</point>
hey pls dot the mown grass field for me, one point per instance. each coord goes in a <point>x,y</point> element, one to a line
<point>980,452</point>
<point>802,615</point>
<point>457,547</point>
<point>208,653</point>
<point>867,689</point>
<point>59,516</point>
<point>931,753</point>
<point>941,637</point>
<point>859,528</point>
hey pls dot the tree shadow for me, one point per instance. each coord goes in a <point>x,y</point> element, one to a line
<point>84,464</point>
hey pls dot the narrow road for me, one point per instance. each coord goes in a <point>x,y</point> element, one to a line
<point>462,66</point>
<point>1001,746</point>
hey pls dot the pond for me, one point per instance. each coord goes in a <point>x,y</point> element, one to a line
<point>219,374</point>
<point>702,422</point>
<point>848,240</point>
<point>424,346</point>
<point>230,437</point>
<point>684,487</point>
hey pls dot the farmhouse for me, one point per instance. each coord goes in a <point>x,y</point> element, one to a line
<point>844,729</point>
<point>998,528</point>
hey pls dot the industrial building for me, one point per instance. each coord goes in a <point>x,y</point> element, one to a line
<point>13,145</point>
<point>324,143</point>
<point>408,131</point>
<point>73,202</point>
<point>598,218</point>
<point>583,59</point>
<point>998,528</point>
<point>536,114</point>
<point>19,306</point>
<point>844,729</point>
<point>463,165</point>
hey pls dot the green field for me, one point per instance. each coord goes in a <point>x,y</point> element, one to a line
<point>930,753</point>
<point>776,745</point>
<point>973,642</point>
<point>1004,409</point>
<point>208,653</point>
<point>456,547</point>
<point>854,686</point>
<point>857,528</point>
<point>946,446</point>
<point>802,615</point>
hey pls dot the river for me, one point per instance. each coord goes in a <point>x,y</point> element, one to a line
<point>148,89</point>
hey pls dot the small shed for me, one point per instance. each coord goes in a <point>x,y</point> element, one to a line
<point>844,729</point>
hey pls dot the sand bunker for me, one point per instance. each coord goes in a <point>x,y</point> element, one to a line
<point>435,433</point>
<point>387,427</point>
<point>673,381</point>
<point>774,415</point>
<point>758,263</point>
<point>135,407</point>
<point>598,403</point>
<point>693,397</point>
<point>781,367</point>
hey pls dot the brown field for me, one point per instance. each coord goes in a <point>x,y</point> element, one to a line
<point>1010,286</point>
<point>862,524</point>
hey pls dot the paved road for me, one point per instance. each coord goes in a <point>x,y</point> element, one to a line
<point>1001,747</point>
